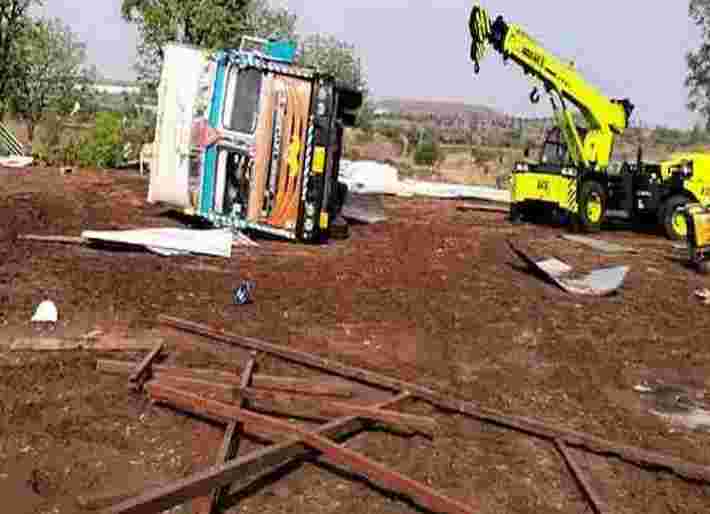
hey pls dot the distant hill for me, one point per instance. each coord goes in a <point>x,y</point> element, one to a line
<point>438,107</point>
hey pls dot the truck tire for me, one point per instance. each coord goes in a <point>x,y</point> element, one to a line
<point>592,206</point>
<point>673,220</point>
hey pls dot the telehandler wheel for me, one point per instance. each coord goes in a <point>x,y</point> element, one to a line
<point>674,222</point>
<point>592,206</point>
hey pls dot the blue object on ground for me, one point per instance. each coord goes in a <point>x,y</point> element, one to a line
<point>242,294</point>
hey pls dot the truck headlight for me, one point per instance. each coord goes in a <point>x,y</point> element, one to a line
<point>569,172</point>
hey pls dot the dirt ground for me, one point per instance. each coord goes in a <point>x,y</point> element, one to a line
<point>433,295</point>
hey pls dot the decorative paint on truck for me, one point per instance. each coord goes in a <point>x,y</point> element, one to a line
<point>250,142</point>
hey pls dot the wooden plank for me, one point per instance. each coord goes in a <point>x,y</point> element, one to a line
<point>597,504</point>
<point>308,387</point>
<point>446,401</point>
<point>424,495</point>
<point>142,372</point>
<point>421,424</point>
<point>484,208</point>
<point>52,239</point>
<point>246,470</point>
<point>299,406</point>
<point>49,344</point>
<point>230,443</point>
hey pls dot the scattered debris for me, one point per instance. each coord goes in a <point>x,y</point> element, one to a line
<point>363,208</point>
<point>16,162</point>
<point>53,239</point>
<point>46,313</point>
<point>484,208</point>
<point>446,401</point>
<point>47,344</point>
<point>676,404</point>
<point>242,294</point>
<point>704,295</point>
<point>600,282</point>
<point>332,452</point>
<point>170,241</point>
<point>144,371</point>
<point>582,480</point>
<point>232,436</point>
<point>598,244</point>
<point>371,177</point>
<point>66,170</point>
<point>267,382</point>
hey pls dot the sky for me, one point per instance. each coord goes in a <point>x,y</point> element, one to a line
<point>420,49</point>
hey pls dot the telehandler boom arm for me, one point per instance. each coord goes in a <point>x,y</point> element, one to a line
<point>605,117</point>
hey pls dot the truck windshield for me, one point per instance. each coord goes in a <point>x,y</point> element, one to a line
<point>242,100</point>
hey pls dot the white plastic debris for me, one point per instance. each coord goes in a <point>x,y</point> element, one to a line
<point>46,313</point>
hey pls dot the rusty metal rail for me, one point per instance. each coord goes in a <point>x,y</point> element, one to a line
<point>424,495</point>
<point>243,470</point>
<point>444,401</point>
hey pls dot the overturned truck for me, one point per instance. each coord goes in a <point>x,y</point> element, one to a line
<point>245,139</point>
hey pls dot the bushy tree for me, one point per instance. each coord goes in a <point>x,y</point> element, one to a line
<point>14,20</point>
<point>698,78</point>
<point>339,58</point>
<point>204,23</point>
<point>52,72</point>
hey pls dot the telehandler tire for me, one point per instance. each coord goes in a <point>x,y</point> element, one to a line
<point>592,206</point>
<point>674,223</point>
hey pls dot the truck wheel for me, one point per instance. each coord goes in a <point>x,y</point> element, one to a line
<point>674,222</point>
<point>592,206</point>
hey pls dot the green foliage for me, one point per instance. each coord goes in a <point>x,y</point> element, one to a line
<point>698,78</point>
<point>104,146</point>
<point>207,24</point>
<point>330,55</point>
<point>53,76</point>
<point>428,153</point>
<point>14,21</point>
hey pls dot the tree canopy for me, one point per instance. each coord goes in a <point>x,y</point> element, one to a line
<point>698,78</point>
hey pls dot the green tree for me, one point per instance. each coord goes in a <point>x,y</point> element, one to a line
<point>339,58</point>
<point>14,20</point>
<point>698,77</point>
<point>53,75</point>
<point>207,24</point>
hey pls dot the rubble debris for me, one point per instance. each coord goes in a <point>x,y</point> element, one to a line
<point>599,506</point>
<point>363,208</point>
<point>332,452</point>
<point>242,294</point>
<point>305,387</point>
<point>599,244</point>
<point>232,436</point>
<point>599,282</point>
<point>678,405</point>
<point>46,312</point>
<point>168,241</point>
<point>447,402</point>
<point>246,469</point>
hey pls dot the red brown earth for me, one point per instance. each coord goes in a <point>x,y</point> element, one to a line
<point>433,295</point>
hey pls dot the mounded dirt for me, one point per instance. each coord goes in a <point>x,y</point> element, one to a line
<point>433,295</point>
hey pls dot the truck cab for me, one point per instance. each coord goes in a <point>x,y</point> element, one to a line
<point>248,140</point>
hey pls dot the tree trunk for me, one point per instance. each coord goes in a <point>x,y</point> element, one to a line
<point>31,131</point>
